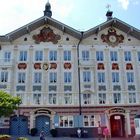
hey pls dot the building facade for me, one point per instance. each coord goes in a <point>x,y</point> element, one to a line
<point>69,79</point>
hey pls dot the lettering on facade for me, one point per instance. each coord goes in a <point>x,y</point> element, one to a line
<point>116,110</point>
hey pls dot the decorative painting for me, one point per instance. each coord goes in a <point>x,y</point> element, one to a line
<point>67,65</point>
<point>53,65</point>
<point>37,65</point>
<point>112,38</point>
<point>22,66</point>
<point>46,35</point>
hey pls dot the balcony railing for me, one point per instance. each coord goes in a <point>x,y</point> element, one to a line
<point>7,63</point>
<point>89,63</point>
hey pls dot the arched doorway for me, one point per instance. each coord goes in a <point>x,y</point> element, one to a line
<point>42,123</point>
<point>117,125</point>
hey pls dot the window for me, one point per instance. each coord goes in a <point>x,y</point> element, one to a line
<point>86,76</point>
<point>127,56</point>
<point>132,97</point>
<point>37,77</point>
<point>85,55</point>
<point>23,56</point>
<point>38,56</point>
<point>67,55</point>
<point>53,77</point>
<point>67,98</point>
<point>130,77</point>
<point>99,56</point>
<point>113,56</point>
<point>52,98</point>
<point>67,77</point>
<point>4,76</point>
<point>66,121</point>
<point>37,98</point>
<point>89,120</point>
<point>86,98</point>
<point>115,77</point>
<point>138,56</point>
<point>117,98</point>
<point>21,77</point>
<point>137,123</point>
<point>102,98</point>
<point>7,56</point>
<point>53,55</point>
<point>101,77</point>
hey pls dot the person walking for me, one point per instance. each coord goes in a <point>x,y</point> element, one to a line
<point>42,135</point>
<point>99,132</point>
<point>106,133</point>
<point>79,132</point>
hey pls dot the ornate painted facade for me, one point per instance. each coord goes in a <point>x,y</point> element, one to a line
<point>39,62</point>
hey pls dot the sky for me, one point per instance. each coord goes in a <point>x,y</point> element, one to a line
<point>81,15</point>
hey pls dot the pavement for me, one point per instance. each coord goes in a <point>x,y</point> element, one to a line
<point>69,138</point>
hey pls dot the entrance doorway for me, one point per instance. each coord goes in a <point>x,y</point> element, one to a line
<point>117,125</point>
<point>18,125</point>
<point>43,124</point>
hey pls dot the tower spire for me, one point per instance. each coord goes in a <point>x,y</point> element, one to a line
<point>109,13</point>
<point>48,11</point>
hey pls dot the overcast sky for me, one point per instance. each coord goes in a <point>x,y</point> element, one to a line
<point>79,14</point>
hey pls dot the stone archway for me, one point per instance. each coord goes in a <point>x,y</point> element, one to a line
<point>119,120</point>
<point>44,116</point>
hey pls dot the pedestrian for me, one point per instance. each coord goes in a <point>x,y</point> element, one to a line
<point>79,132</point>
<point>106,133</point>
<point>42,135</point>
<point>99,132</point>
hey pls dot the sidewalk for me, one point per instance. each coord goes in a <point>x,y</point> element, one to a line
<point>69,138</point>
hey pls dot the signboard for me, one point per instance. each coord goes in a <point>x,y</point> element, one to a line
<point>116,110</point>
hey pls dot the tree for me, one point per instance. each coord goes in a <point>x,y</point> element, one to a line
<point>8,103</point>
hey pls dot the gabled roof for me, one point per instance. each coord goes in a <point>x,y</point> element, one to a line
<point>38,23</point>
<point>130,30</point>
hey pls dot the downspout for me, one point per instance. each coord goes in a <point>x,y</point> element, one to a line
<point>79,85</point>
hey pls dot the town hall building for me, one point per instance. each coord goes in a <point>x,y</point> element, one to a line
<point>68,79</point>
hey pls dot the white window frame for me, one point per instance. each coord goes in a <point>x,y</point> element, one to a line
<point>67,55</point>
<point>37,77</point>
<point>23,55</point>
<point>102,98</point>
<point>85,55</point>
<point>87,76</point>
<point>38,55</point>
<point>21,77</point>
<point>132,97</point>
<point>4,76</point>
<point>67,77</point>
<point>53,55</point>
<point>88,120</point>
<point>7,56</point>
<point>117,98</point>
<point>66,121</point>
<point>99,56</point>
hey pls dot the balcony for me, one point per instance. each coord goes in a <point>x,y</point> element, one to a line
<point>87,63</point>
<point>6,63</point>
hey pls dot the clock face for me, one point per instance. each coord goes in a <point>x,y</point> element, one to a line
<point>45,66</point>
<point>112,38</point>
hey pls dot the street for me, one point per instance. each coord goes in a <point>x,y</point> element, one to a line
<point>70,138</point>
